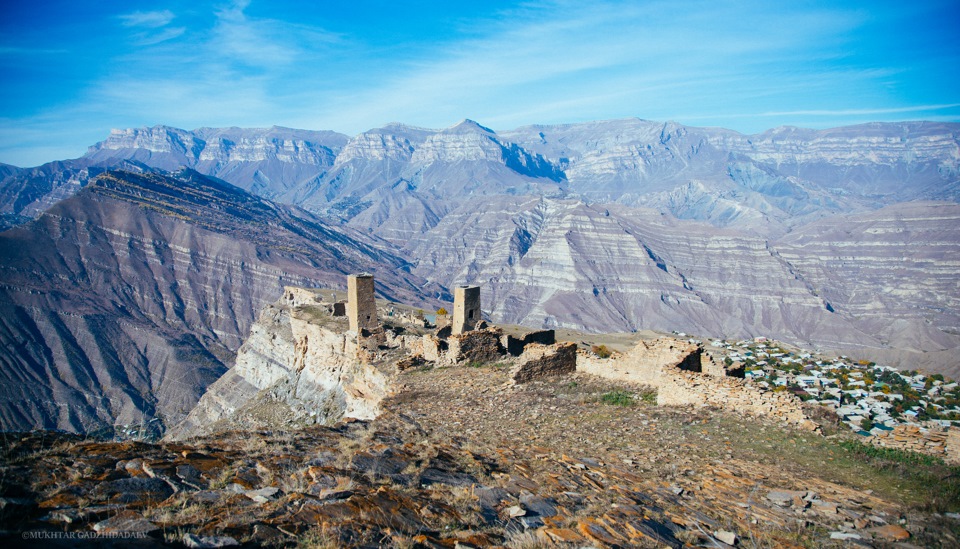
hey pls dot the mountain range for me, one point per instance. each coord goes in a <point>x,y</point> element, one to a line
<point>152,253</point>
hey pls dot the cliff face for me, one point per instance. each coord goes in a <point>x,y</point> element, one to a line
<point>121,304</point>
<point>866,283</point>
<point>296,368</point>
<point>263,161</point>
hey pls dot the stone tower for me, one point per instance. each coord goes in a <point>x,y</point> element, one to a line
<point>361,307</point>
<point>466,308</point>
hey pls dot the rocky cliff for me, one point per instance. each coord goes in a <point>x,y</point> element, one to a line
<point>265,161</point>
<point>297,367</point>
<point>561,263</point>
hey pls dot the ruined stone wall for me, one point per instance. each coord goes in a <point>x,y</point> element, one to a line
<point>683,388</point>
<point>296,297</point>
<point>685,375</point>
<point>645,362</point>
<point>475,346</point>
<point>539,361</point>
<point>515,345</point>
<point>930,440</point>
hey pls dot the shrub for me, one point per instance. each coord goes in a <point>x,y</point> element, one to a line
<point>648,395</point>
<point>601,351</point>
<point>441,311</point>
<point>881,454</point>
<point>617,398</point>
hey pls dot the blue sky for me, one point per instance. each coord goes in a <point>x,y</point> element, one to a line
<point>73,70</point>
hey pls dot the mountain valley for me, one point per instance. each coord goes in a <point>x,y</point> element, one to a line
<point>125,271</point>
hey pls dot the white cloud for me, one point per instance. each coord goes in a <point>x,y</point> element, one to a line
<point>147,19</point>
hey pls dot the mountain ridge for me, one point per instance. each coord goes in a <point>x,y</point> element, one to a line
<point>126,300</point>
<point>607,226</point>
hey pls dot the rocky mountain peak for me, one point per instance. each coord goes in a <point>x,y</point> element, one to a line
<point>468,126</point>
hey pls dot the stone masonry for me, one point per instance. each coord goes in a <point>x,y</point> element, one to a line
<point>685,375</point>
<point>931,440</point>
<point>361,305</point>
<point>466,308</point>
<point>538,361</point>
<point>684,388</point>
<point>516,345</point>
<point>475,346</point>
<point>645,363</point>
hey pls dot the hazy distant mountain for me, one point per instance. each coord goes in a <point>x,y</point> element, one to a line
<point>887,281</point>
<point>125,301</point>
<point>266,162</point>
<point>399,180</point>
<point>770,181</point>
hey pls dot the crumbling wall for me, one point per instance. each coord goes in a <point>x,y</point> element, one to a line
<point>296,297</point>
<point>685,375</point>
<point>434,349</point>
<point>645,362</point>
<point>539,361</point>
<point>475,346</point>
<point>930,440</point>
<point>683,388</point>
<point>515,345</point>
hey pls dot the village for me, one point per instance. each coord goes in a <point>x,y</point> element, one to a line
<point>871,399</point>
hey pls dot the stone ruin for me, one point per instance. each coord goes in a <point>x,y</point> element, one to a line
<point>682,372</point>
<point>928,439</point>
<point>466,309</point>
<point>362,311</point>
<point>685,375</point>
<point>361,303</point>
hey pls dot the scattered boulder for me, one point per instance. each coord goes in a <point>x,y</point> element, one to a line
<point>784,498</point>
<point>726,537</point>
<point>208,542</point>
<point>890,532</point>
<point>134,491</point>
<point>126,522</point>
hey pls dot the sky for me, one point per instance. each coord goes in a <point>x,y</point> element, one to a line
<point>73,70</point>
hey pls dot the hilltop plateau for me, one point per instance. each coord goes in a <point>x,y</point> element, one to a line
<point>458,458</point>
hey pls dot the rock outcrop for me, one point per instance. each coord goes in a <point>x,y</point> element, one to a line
<point>299,366</point>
